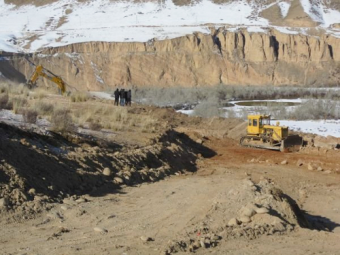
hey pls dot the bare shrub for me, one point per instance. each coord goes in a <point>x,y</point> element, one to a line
<point>95,126</point>
<point>30,116</point>
<point>316,109</point>
<point>207,110</point>
<point>119,114</point>
<point>148,124</point>
<point>88,113</point>
<point>61,121</point>
<point>18,89</point>
<point>43,108</point>
<point>4,88</point>
<point>80,96</point>
<point>18,103</point>
<point>22,89</point>
<point>177,96</point>
<point>230,114</point>
<point>40,93</point>
<point>4,102</point>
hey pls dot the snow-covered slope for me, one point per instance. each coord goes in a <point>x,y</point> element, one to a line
<point>28,28</point>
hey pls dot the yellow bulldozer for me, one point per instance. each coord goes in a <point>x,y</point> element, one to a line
<point>43,72</point>
<point>260,134</point>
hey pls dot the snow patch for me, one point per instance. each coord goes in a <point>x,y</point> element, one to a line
<point>103,95</point>
<point>318,127</point>
<point>284,7</point>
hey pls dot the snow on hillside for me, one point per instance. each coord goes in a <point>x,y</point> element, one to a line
<point>28,28</point>
<point>284,7</point>
<point>319,13</point>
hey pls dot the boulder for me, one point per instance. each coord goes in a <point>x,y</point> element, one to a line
<point>319,169</point>
<point>146,238</point>
<point>262,210</point>
<point>245,219</point>
<point>284,162</point>
<point>3,202</point>
<point>247,211</point>
<point>100,230</point>
<point>310,167</point>
<point>299,162</point>
<point>107,171</point>
<point>233,222</point>
<point>32,191</point>
<point>118,180</point>
<point>199,141</point>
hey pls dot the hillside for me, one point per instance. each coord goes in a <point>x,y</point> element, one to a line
<point>31,25</point>
<point>96,45</point>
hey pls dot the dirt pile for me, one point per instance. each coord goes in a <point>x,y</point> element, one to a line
<point>321,142</point>
<point>37,170</point>
<point>263,210</point>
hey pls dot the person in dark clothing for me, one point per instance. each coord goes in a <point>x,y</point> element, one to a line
<point>116,93</point>
<point>122,97</point>
<point>126,97</point>
<point>129,97</point>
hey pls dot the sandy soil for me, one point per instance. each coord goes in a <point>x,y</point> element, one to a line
<point>172,212</point>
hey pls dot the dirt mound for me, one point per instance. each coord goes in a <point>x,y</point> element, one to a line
<point>320,142</point>
<point>36,170</point>
<point>263,210</point>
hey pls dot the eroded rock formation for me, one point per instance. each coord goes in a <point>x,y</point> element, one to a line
<point>232,58</point>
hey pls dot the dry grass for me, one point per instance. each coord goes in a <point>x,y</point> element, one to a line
<point>43,108</point>
<point>103,115</point>
<point>13,96</point>
<point>148,124</point>
<point>4,102</point>
<point>30,116</point>
<point>95,126</point>
<point>18,103</point>
<point>94,114</point>
<point>40,93</point>
<point>4,88</point>
<point>107,116</point>
<point>80,96</point>
<point>12,88</point>
<point>61,121</point>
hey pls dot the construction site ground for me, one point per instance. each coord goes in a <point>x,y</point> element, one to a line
<point>203,180</point>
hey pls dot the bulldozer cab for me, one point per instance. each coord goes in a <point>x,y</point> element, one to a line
<point>256,124</point>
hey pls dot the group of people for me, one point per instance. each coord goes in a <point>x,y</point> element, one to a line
<point>122,97</point>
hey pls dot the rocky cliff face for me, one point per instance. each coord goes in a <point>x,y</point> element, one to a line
<point>232,58</point>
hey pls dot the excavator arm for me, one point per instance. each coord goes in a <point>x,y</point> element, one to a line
<point>41,71</point>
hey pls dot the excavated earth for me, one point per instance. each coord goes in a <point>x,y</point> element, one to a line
<point>188,187</point>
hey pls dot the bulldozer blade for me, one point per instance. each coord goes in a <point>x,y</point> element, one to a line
<point>292,143</point>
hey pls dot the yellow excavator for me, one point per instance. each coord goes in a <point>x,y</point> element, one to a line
<point>260,134</point>
<point>43,72</point>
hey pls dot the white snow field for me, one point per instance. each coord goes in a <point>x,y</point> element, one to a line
<point>318,127</point>
<point>29,28</point>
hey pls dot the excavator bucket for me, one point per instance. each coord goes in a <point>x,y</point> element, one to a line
<point>291,144</point>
